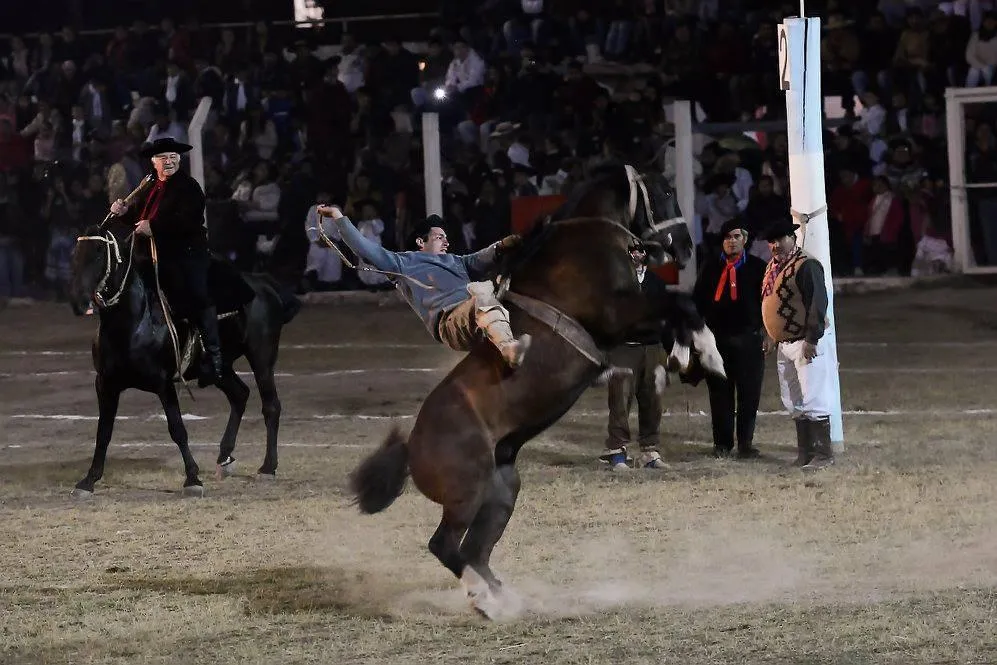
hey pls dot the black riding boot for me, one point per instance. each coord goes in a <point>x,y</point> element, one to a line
<point>804,442</point>
<point>820,438</point>
<point>211,362</point>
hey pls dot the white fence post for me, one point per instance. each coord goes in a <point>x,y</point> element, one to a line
<point>431,169</point>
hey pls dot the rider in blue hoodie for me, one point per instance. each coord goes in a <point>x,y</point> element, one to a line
<point>452,294</point>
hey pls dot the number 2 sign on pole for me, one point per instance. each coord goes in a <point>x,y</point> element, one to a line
<point>783,58</point>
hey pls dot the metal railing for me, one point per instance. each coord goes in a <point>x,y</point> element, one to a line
<point>344,20</point>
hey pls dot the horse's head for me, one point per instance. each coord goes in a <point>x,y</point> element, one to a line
<point>99,266</point>
<point>643,202</point>
<point>656,219</point>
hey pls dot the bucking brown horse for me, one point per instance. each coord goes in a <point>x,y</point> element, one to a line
<point>572,286</point>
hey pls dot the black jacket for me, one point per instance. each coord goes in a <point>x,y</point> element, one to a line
<point>178,225</point>
<point>655,289</point>
<point>726,317</point>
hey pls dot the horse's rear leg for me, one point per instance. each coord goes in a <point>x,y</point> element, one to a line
<point>445,545</point>
<point>192,485</point>
<point>263,372</point>
<point>486,530</point>
<point>107,403</point>
<point>465,493</point>
<point>237,393</point>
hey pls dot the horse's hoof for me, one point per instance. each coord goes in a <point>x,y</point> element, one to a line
<point>226,469</point>
<point>268,477</point>
<point>193,491</point>
<point>486,602</point>
<point>80,493</point>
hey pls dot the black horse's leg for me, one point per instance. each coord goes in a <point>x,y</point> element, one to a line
<point>490,522</point>
<point>263,372</point>
<point>108,397</point>
<point>171,406</point>
<point>445,546</point>
<point>237,393</point>
<point>445,543</point>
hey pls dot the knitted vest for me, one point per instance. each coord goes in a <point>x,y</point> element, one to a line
<point>783,312</point>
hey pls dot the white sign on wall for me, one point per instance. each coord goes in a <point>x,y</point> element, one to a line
<point>307,10</point>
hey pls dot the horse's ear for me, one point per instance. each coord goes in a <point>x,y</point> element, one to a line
<point>655,253</point>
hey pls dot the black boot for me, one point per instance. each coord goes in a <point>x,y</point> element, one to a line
<point>804,443</point>
<point>820,439</point>
<point>211,362</point>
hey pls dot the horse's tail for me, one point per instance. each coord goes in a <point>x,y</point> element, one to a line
<point>290,304</point>
<point>380,478</point>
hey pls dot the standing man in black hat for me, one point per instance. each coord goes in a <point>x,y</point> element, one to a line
<point>728,294</point>
<point>172,213</point>
<point>794,310</point>
<point>638,360</point>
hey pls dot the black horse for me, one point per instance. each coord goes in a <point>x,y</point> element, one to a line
<point>572,286</point>
<point>135,347</point>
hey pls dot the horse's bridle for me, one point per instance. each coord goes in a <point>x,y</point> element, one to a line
<point>113,251</point>
<point>639,194</point>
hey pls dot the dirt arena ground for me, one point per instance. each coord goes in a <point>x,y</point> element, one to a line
<point>891,557</point>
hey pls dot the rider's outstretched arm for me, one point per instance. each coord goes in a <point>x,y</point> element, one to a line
<point>366,249</point>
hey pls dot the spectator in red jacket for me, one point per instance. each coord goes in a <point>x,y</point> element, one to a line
<point>849,211</point>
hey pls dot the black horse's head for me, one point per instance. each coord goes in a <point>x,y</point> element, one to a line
<point>643,202</point>
<point>658,218</point>
<point>100,259</point>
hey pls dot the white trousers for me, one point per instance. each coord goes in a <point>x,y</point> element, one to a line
<point>806,386</point>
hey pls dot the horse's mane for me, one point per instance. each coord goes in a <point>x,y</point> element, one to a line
<point>601,174</point>
<point>598,175</point>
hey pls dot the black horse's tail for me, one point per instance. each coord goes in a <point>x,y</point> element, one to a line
<point>380,478</point>
<point>290,304</point>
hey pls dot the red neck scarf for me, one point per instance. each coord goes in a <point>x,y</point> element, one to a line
<point>152,202</point>
<point>729,274</point>
<point>769,286</point>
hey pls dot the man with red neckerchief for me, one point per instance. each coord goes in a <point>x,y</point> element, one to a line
<point>728,295</point>
<point>172,212</point>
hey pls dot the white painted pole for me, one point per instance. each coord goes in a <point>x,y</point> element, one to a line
<point>195,131</point>
<point>955,129</point>
<point>799,67</point>
<point>431,170</point>
<point>685,182</point>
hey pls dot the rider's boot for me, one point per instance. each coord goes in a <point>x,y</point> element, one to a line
<point>211,362</point>
<point>495,324</point>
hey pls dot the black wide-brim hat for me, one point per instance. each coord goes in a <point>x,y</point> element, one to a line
<point>780,229</point>
<point>737,222</point>
<point>168,144</point>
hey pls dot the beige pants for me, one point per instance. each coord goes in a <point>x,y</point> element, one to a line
<point>462,325</point>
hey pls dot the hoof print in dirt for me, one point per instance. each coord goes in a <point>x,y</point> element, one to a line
<point>266,477</point>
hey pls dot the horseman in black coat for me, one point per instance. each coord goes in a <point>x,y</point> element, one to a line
<point>172,213</point>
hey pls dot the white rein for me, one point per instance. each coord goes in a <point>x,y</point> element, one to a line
<point>113,252</point>
<point>638,190</point>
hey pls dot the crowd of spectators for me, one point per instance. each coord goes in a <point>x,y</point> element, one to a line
<point>531,94</point>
